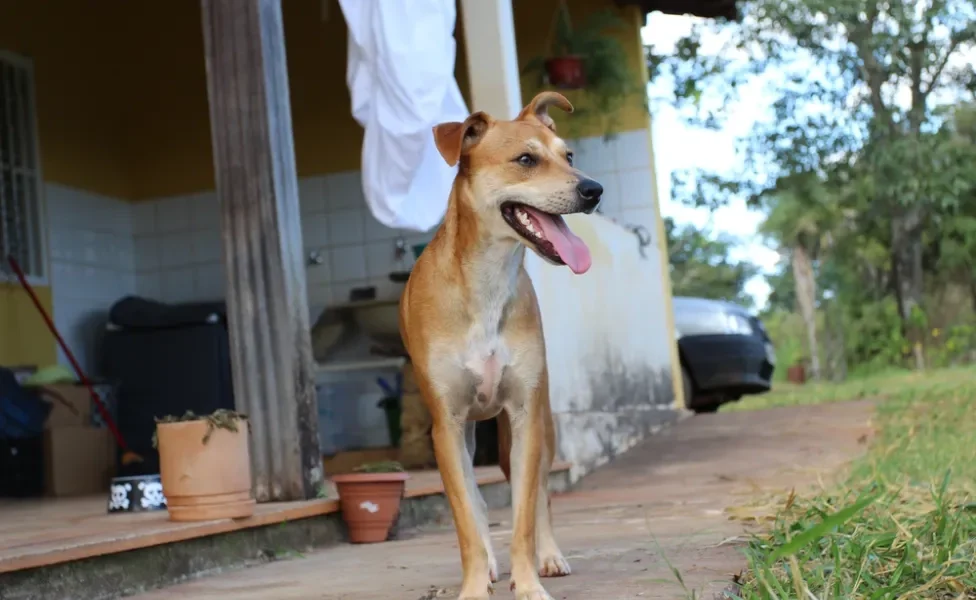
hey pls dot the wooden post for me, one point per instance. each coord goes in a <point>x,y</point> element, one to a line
<point>257,186</point>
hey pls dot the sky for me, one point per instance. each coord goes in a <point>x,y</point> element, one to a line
<point>678,146</point>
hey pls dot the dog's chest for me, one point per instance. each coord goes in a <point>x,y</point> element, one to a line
<point>477,371</point>
<point>487,362</point>
<point>485,359</point>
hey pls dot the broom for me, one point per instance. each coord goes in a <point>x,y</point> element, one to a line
<point>128,456</point>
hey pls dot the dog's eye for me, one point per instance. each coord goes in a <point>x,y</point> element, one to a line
<point>526,160</point>
<point>569,158</point>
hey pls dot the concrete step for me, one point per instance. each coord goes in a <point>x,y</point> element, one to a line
<point>163,554</point>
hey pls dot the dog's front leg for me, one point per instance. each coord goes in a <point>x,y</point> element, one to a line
<point>463,495</point>
<point>470,442</point>
<point>528,438</point>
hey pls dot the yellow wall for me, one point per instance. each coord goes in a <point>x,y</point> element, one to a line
<point>77,83</point>
<point>122,99</point>
<point>534,21</point>
<point>24,338</point>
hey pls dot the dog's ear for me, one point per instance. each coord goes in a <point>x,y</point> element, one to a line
<point>539,108</point>
<point>455,139</point>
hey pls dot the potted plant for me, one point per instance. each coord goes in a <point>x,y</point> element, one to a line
<point>370,500</point>
<point>205,465</point>
<point>586,57</point>
<point>797,373</point>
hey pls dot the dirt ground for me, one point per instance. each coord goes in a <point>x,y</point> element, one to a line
<point>667,498</point>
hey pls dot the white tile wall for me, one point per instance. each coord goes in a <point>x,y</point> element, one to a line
<point>170,249</point>
<point>623,166</point>
<point>93,259</point>
<point>178,246</point>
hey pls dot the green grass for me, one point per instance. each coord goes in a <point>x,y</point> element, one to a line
<point>881,386</point>
<point>902,525</point>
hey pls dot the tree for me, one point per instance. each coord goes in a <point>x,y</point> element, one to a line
<point>701,266</point>
<point>955,239</point>
<point>801,219</point>
<point>863,82</point>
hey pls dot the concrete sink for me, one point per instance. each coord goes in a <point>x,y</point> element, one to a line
<point>379,320</point>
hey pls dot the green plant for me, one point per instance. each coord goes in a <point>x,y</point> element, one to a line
<point>221,418</point>
<point>609,80</point>
<point>902,523</point>
<point>383,466</point>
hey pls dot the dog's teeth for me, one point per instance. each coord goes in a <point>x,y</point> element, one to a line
<point>524,219</point>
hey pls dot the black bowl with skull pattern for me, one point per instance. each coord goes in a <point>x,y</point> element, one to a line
<point>136,494</point>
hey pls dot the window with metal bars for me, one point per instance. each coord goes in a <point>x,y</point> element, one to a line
<point>20,179</point>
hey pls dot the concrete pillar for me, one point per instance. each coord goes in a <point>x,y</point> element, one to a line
<point>493,70</point>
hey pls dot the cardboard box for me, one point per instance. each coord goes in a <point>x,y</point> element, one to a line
<point>78,461</point>
<point>71,405</point>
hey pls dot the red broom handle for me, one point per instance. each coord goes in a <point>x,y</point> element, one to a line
<point>67,352</point>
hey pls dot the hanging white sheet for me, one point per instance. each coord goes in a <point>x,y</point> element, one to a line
<point>401,79</point>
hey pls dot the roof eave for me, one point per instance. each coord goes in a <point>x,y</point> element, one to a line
<point>709,9</point>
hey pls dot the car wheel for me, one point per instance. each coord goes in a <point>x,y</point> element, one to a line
<point>705,409</point>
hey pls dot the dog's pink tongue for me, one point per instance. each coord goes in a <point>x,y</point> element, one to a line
<point>567,244</point>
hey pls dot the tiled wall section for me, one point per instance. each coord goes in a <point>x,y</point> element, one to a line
<point>623,165</point>
<point>170,249</point>
<point>178,245</point>
<point>92,264</point>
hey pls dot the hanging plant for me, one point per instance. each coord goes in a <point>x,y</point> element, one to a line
<point>586,57</point>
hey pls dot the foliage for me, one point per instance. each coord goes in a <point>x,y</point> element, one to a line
<point>221,418</point>
<point>865,162</point>
<point>786,329</point>
<point>382,466</point>
<point>609,81</point>
<point>917,539</point>
<point>701,267</point>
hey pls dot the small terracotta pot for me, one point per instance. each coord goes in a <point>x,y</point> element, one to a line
<point>796,374</point>
<point>566,72</point>
<point>370,504</point>
<point>204,481</point>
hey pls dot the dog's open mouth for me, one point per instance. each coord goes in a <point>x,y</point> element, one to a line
<point>550,235</point>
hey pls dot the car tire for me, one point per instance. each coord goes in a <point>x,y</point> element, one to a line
<point>706,409</point>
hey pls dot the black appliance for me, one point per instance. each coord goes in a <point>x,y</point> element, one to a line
<point>166,360</point>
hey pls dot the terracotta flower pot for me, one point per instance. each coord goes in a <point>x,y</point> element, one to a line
<point>205,480</point>
<point>566,72</point>
<point>796,374</point>
<point>370,503</point>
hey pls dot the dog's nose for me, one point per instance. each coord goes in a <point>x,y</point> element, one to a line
<point>589,189</point>
<point>590,192</point>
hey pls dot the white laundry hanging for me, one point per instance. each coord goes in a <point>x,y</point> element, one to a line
<point>401,79</point>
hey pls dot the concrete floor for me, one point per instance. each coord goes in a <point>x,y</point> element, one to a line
<point>668,496</point>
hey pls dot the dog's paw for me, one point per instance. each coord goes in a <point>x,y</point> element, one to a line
<point>477,593</point>
<point>530,591</point>
<point>554,565</point>
<point>493,570</point>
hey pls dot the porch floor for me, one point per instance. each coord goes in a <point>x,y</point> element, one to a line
<point>37,533</point>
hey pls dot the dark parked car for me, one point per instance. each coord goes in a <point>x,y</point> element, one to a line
<point>725,353</point>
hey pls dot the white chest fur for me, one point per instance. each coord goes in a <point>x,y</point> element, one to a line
<point>469,369</point>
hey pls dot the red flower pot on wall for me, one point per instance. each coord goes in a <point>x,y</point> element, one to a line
<point>566,72</point>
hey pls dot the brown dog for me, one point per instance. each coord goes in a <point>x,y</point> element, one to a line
<point>470,321</point>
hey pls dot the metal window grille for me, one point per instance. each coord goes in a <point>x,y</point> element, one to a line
<point>20,181</point>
